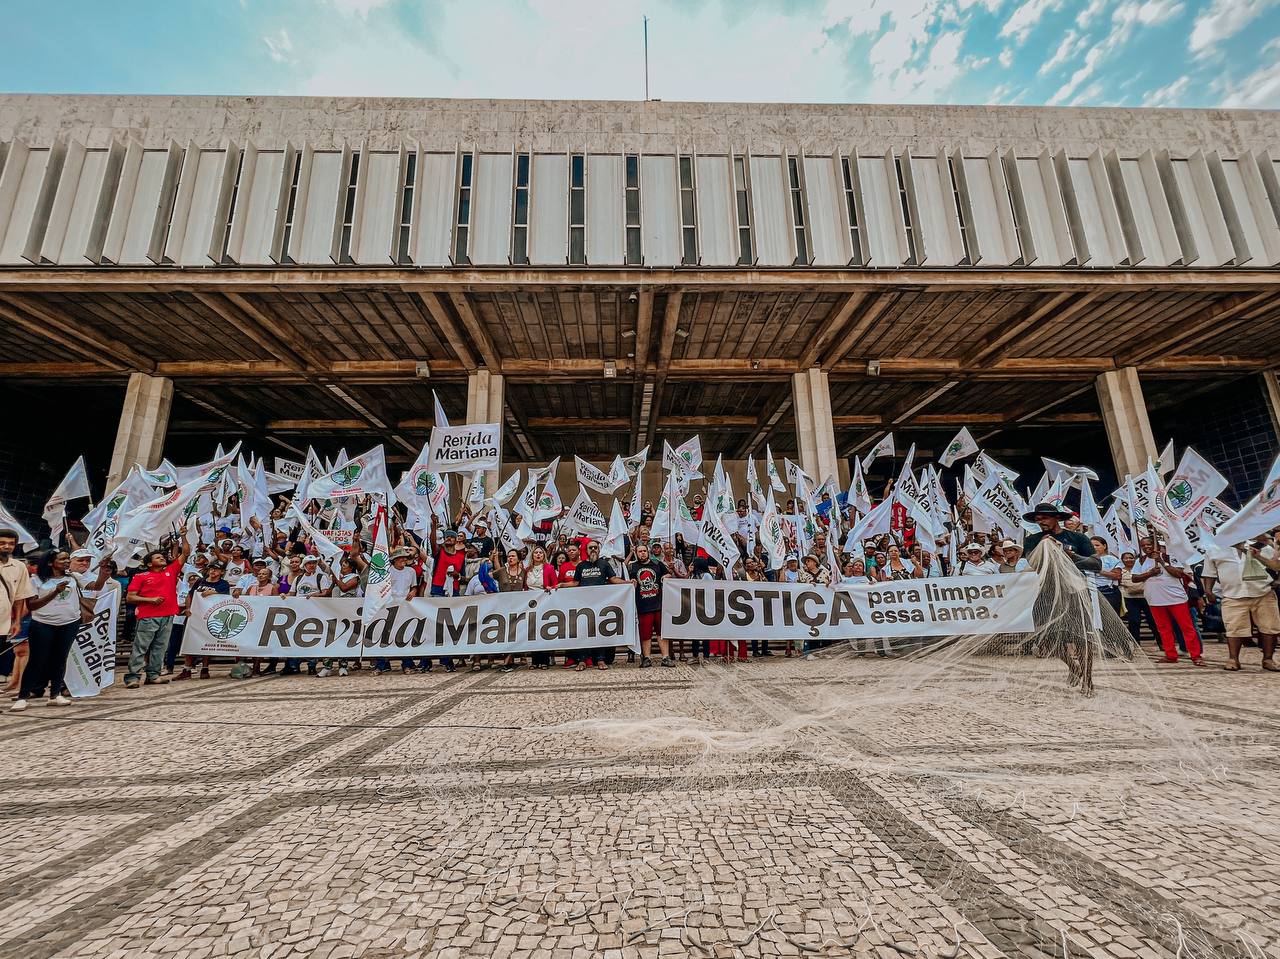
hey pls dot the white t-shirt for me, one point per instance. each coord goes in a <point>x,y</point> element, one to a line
<point>1226,565</point>
<point>982,568</point>
<point>65,609</point>
<point>403,581</point>
<point>86,581</point>
<point>245,582</point>
<point>1161,589</point>
<point>308,585</point>
<point>1109,564</point>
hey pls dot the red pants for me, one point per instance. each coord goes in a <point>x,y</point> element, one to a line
<point>649,624</point>
<point>1165,617</point>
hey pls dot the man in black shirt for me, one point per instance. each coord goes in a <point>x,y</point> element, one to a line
<point>648,574</point>
<point>594,571</point>
<point>480,536</point>
<point>1076,545</point>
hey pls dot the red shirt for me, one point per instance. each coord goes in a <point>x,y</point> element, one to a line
<point>444,562</point>
<point>565,573</point>
<point>163,584</point>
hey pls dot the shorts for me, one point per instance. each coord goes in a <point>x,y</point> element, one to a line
<point>1262,611</point>
<point>648,626</point>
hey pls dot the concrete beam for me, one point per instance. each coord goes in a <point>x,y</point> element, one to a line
<point>143,424</point>
<point>1124,414</point>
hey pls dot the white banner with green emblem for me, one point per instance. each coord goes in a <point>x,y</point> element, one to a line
<point>490,624</point>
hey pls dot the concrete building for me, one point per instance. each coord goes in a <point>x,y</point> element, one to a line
<point>605,275</point>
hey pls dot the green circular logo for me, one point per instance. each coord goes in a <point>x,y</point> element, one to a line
<point>228,620</point>
<point>347,475</point>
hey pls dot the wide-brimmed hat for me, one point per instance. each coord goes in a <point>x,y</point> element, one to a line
<point>407,552</point>
<point>1010,544</point>
<point>1046,509</point>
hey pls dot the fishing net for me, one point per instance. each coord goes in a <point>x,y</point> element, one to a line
<point>1046,794</point>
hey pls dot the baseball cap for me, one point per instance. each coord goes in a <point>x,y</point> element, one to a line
<point>82,554</point>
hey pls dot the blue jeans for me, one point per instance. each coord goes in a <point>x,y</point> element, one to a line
<point>150,641</point>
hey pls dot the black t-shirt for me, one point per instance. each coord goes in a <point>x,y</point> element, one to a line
<point>648,576</point>
<point>1078,542</point>
<point>593,574</point>
<point>485,543</point>
<point>221,587</point>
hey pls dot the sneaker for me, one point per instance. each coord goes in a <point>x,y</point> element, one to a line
<point>507,668</point>
<point>645,662</point>
<point>451,668</point>
<point>408,670</point>
<point>668,662</point>
<point>185,674</point>
<point>322,672</point>
<point>19,706</point>
<point>158,680</point>
<point>342,670</point>
<point>131,684</point>
<point>59,701</point>
<point>204,672</point>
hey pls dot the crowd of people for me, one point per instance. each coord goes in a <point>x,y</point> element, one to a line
<point>49,593</point>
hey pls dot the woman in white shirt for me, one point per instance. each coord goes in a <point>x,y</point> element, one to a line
<point>55,617</point>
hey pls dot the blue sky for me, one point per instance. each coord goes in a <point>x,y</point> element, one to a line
<point>1195,53</point>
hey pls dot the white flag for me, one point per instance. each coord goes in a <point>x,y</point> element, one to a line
<point>475,493</point>
<point>1193,486</point>
<point>875,523</point>
<point>1113,531</point>
<point>378,586</point>
<point>442,421</point>
<point>858,496</point>
<point>717,543</point>
<point>507,489</point>
<point>882,448</point>
<point>592,477</point>
<point>8,520</point>
<point>548,505</point>
<point>150,521</point>
<point>311,470</point>
<point>324,546</point>
<point>424,491</point>
<point>504,529</point>
<point>1054,469</point>
<point>584,516</point>
<point>1260,515</point>
<point>1168,456</point>
<point>634,508</point>
<point>772,536</point>
<point>1089,514</point>
<point>362,475</point>
<point>73,486</point>
<point>615,540</point>
<point>618,474</point>
<point>753,484</point>
<point>771,471</point>
<point>963,445</point>
<point>634,464</point>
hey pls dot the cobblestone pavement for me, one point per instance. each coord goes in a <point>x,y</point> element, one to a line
<point>846,805</point>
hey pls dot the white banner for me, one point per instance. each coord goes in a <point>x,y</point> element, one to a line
<point>288,469</point>
<point>91,667</point>
<point>493,623</point>
<point>950,606</point>
<point>465,449</point>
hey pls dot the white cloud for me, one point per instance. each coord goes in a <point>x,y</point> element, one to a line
<point>1091,60</point>
<point>1087,15</point>
<point>1125,20</point>
<point>1259,90</point>
<point>359,8</point>
<point>1006,57</point>
<point>1088,96</point>
<point>279,46</point>
<point>1072,43</point>
<point>1169,95</point>
<point>1024,19</point>
<point>1223,19</point>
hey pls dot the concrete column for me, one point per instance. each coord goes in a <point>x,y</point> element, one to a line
<point>485,393</point>
<point>1124,414</point>
<point>815,434</point>
<point>143,424</point>
<point>1271,390</point>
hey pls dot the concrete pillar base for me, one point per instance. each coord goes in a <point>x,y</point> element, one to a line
<point>143,424</point>
<point>815,433</point>
<point>485,404</point>
<point>1124,414</point>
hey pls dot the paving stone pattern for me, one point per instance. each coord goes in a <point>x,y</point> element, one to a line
<point>841,806</point>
